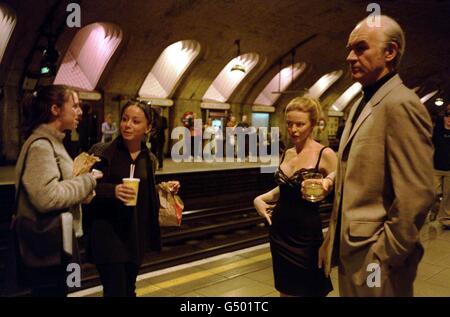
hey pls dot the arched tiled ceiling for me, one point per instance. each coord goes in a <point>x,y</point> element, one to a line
<point>324,83</point>
<point>88,55</point>
<point>168,69</point>
<point>7,24</point>
<point>428,96</point>
<point>344,100</point>
<point>279,83</point>
<point>151,25</point>
<point>224,84</point>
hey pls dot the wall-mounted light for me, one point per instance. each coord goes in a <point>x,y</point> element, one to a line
<point>439,102</point>
<point>50,57</point>
<point>239,66</point>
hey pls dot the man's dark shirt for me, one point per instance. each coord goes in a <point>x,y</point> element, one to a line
<point>368,93</point>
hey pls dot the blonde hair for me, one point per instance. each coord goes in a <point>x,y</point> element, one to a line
<point>306,104</point>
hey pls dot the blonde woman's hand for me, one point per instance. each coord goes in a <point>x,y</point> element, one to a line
<point>327,185</point>
<point>124,193</point>
<point>264,209</point>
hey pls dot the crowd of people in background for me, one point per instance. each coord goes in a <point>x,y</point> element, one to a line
<point>85,135</point>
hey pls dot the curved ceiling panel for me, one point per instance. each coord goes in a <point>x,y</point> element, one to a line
<point>344,100</point>
<point>324,83</point>
<point>428,96</point>
<point>7,24</point>
<point>88,55</point>
<point>166,73</point>
<point>229,78</point>
<point>279,83</point>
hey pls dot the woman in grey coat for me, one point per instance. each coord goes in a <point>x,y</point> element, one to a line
<point>47,188</point>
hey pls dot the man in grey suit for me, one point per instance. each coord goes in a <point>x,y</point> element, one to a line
<point>383,184</point>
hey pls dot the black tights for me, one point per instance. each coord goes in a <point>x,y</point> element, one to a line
<point>118,279</point>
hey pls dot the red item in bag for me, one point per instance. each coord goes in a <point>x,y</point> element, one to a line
<point>171,207</point>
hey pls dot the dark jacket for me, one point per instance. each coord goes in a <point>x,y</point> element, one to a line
<point>114,232</point>
<point>441,142</point>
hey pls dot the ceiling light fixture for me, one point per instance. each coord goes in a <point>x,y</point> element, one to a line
<point>292,69</point>
<point>238,67</point>
<point>439,102</point>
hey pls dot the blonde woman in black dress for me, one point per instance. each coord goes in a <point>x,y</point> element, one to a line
<point>294,223</point>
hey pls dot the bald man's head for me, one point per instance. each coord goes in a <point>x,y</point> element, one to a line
<point>374,49</point>
<point>390,32</point>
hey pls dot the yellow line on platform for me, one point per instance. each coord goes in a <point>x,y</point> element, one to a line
<point>199,275</point>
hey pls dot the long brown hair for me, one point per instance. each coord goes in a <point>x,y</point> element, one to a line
<point>37,107</point>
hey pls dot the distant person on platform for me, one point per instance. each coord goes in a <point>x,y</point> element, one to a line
<point>231,137</point>
<point>109,129</point>
<point>244,122</point>
<point>320,133</point>
<point>244,125</point>
<point>384,183</point>
<point>340,129</point>
<point>196,151</point>
<point>211,131</point>
<point>158,136</point>
<point>441,141</point>
<point>85,128</point>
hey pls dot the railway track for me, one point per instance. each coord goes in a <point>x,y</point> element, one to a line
<point>219,217</point>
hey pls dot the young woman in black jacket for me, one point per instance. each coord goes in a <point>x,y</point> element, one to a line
<point>118,235</point>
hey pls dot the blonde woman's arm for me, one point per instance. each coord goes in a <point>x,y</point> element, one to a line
<point>328,166</point>
<point>265,203</point>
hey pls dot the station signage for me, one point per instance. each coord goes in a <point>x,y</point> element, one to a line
<point>90,95</point>
<point>161,102</point>
<point>215,105</point>
<point>262,108</point>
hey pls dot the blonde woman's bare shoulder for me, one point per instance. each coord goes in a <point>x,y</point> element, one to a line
<point>329,151</point>
<point>329,156</point>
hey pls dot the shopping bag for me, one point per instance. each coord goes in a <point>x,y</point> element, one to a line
<point>171,207</point>
<point>40,241</point>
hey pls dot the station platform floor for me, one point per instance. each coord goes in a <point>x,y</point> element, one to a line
<point>248,273</point>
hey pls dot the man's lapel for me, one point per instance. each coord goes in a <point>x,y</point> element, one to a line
<point>373,102</point>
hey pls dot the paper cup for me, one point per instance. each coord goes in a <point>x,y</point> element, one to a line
<point>134,183</point>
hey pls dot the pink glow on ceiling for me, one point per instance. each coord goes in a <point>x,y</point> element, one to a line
<point>88,55</point>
